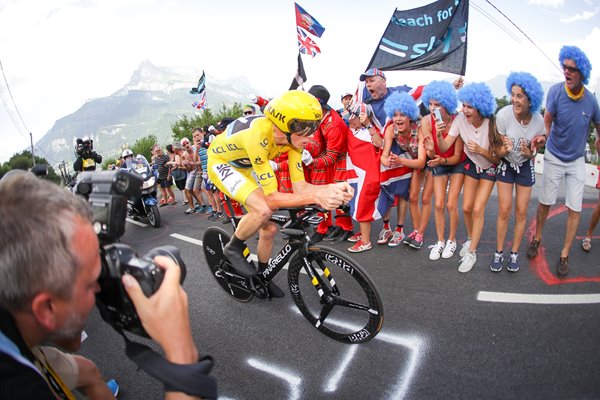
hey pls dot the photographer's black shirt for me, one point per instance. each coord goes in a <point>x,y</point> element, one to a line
<point>87,161</point>
<point>17,380</point>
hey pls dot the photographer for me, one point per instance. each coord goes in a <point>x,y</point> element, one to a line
<point>49,268</point>
<point>87,158</point>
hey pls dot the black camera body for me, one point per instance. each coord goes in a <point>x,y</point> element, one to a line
<point>112,301</point>
<point>107,192</point>
<point>84,147</point>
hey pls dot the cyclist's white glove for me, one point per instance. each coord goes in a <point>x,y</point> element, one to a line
<point>274,165</point>
<point>307,159</point>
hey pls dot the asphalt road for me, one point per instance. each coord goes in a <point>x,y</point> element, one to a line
<point>480,335</point>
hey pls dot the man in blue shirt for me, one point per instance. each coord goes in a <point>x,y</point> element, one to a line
<point>570,108</point>
<point>377,91</point>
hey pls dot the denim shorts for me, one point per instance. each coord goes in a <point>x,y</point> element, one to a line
<point>165,183</point>
<point>441,170</point>
<point>523,175</point>
<point>470,169</point>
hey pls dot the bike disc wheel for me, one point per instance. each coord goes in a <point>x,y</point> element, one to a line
<point>341,300</point>
<point>234,284</point>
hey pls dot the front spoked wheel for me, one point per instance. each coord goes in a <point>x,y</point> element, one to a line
<point>234,284</point>
<point>335,295</point>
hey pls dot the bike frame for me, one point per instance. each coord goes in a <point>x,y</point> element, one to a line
<point>291,226</point>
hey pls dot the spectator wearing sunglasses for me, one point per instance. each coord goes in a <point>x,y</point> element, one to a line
<point>248,110</point>
<point>344,112</point>
<point>570,108</point>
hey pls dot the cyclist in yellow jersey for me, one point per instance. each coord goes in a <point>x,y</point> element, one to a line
<point>238,164</point>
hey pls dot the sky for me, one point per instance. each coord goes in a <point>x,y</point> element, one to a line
<point>58,54</point>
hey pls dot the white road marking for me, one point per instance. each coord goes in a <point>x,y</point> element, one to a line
<point>186,239</point>
<point>138,223</point>
<point>415,344</point>
<point>500,297</point>
<point>334,381</point>
<point>292,379</point>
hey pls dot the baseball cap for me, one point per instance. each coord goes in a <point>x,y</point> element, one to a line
<point>372,72</point>
<point>322,94</point>
<point>185,141</point>
<point>224,122</point>
<point>346,94</point>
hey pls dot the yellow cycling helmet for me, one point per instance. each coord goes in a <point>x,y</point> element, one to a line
<point>296,112</point>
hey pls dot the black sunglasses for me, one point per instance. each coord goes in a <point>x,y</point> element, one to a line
<point>247,112</point>
<point>570,69</point>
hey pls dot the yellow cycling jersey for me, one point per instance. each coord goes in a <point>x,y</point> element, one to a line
<point>248,144</point>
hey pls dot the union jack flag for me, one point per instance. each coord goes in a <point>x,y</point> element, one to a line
<point>200,104</point>
<point>305,44</point>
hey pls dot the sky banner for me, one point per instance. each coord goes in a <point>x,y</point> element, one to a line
<point>200,89</point>
<point>432,37</point>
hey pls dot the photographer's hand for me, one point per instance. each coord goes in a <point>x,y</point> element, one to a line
<point>164,315</point>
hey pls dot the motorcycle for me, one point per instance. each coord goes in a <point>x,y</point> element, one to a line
<point>146,206</point>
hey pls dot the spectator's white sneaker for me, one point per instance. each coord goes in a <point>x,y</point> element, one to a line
<point>396,238</point>
<point>449,249</point>
<point>467,262</point>
<point>465,248</point>
<point>436,251</point>
<point>384,236</point>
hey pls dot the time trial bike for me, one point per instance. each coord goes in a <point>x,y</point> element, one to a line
<point>329,288</point>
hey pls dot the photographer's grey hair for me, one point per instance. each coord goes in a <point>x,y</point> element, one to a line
<point>35,252</point>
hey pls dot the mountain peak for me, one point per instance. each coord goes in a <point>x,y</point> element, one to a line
<point>150,77</point>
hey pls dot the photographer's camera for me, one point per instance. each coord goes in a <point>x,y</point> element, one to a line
<point>107,193</point>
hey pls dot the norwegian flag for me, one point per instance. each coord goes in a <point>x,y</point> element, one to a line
<point>363,171</point>
<point>305,44</point>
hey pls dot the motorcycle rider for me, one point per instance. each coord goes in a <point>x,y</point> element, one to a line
<point>127,158</point>
<point>87,158</point>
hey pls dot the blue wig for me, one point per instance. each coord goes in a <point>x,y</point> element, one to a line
<point>480,97</point>
<point>582,62</point>
<point>402,102</point>
<point>443,92</point>
<point>531,87</point>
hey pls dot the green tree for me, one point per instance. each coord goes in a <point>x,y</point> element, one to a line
<point>501,103</point>
<point>185,125</point>
<point>23,161</point>
<point>141,146</point>
<point>144,146</point>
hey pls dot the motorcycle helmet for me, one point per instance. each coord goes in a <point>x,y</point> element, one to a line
<point>127,153</point>
<point>296,112</point>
